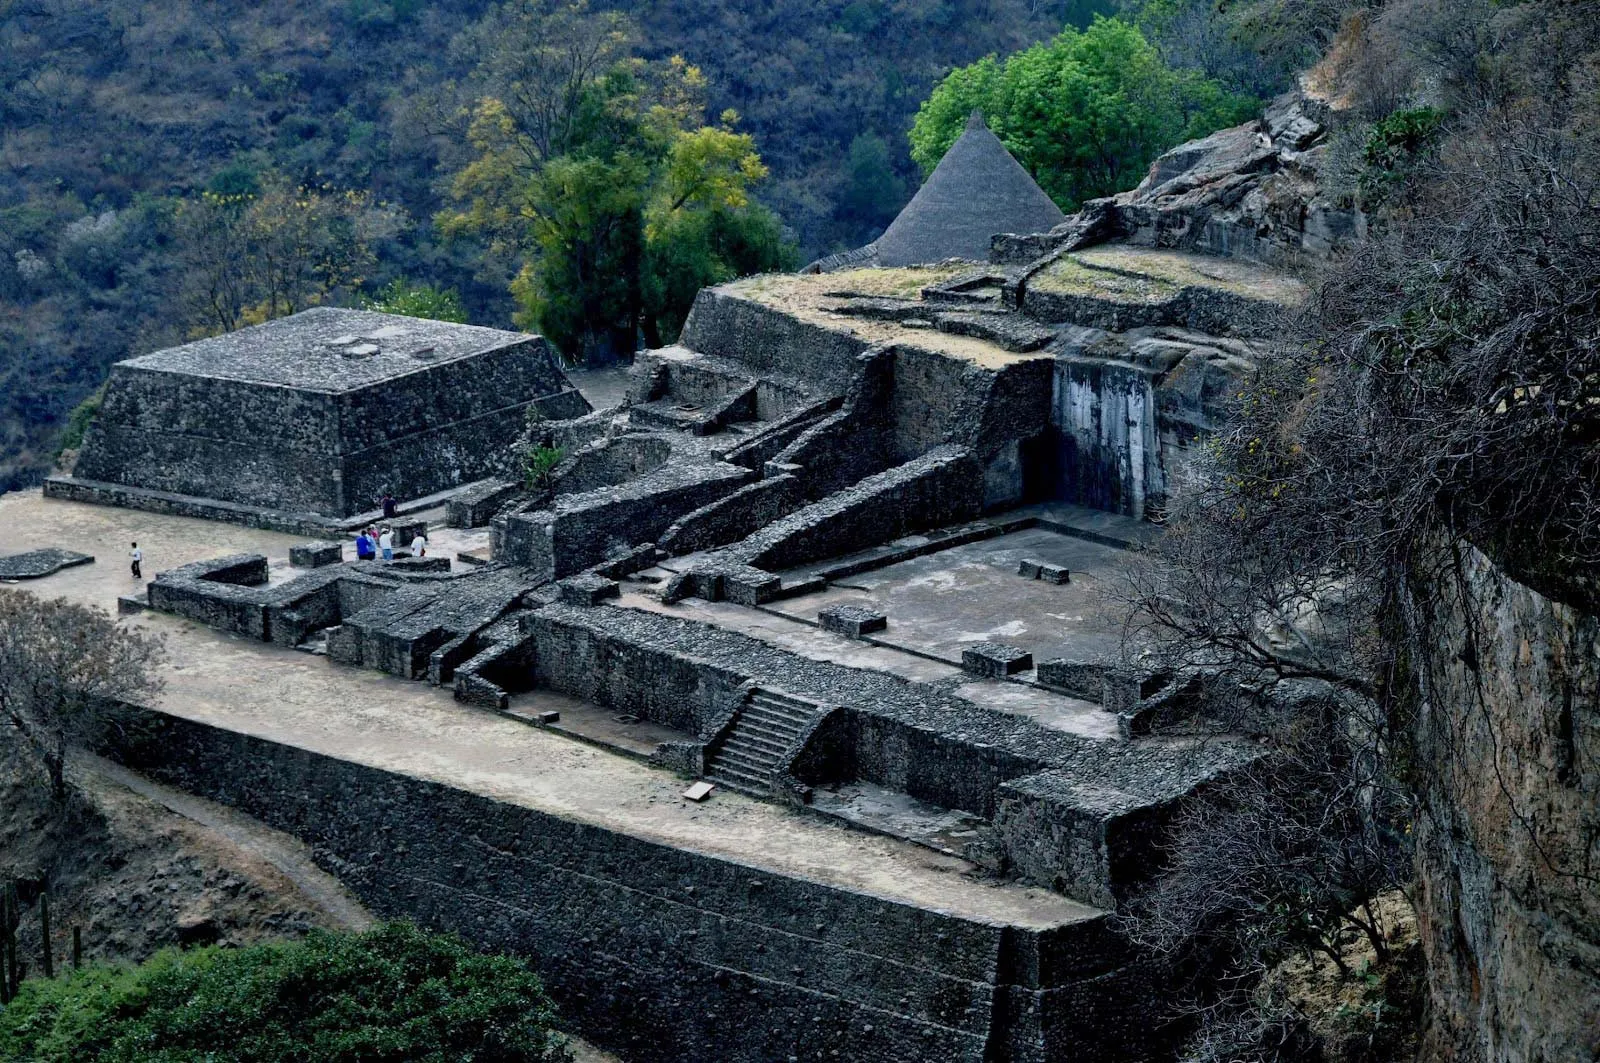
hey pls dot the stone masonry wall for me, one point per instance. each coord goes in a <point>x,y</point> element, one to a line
<point>265,446</point>
<point>727,325</point>
<point>331,453</point>
<point>671,956</point>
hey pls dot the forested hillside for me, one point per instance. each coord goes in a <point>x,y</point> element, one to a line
<point>113,111</point>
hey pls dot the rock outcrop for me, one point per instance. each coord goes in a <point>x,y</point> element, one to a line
<point>1508,838</point>
<point>1248,192</point>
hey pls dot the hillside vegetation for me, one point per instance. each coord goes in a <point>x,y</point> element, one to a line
<point>112,111</point>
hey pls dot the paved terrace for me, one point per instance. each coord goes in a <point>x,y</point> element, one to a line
<point>376,720</point>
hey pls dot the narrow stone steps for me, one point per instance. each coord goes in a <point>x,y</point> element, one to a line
<point>780,737</point>
<point>763,730</point>
<point>780,712</point>
<point>754,746</point>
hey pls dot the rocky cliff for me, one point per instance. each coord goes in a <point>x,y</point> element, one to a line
<point>1508,831</point>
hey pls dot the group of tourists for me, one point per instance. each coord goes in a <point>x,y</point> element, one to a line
<point>373,543</point>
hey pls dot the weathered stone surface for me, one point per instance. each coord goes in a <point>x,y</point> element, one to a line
<point>995,659</point>
<point>852,621</point>
<point>316,554</point>
<point>1081,679</point>
<point>474,507</point>
<point>277,417</point>
<point>587,589</point>
<point>1508,837</point>
<point>36,564</point>
<point>942,487</point>
<point>1248,192</point>
<point>1057,574</point>
<point>1091,841</point>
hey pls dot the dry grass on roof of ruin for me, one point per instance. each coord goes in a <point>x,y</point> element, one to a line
<point>813,298</point>
<point>1141,274</point>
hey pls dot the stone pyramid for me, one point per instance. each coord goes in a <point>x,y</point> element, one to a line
<point>976,191</point>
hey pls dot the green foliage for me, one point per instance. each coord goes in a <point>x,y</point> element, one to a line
<point>538,462</point>
<point>694,249</point>
<point>873,192</point>
<point>588,164</point>
<point>79,420</point>
<point>125,107</point>
<point>1393,147</point>
<point>391,994</point>
<point>401,296</point>
<point>1085,114</point>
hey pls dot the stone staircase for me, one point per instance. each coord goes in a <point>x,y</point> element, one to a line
<point>750,752</point>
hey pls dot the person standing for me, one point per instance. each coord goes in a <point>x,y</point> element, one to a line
<point>389,503</point>
<point>364,546</point>
<point>386,544</point>
<point>136,555</point>
<point>419,544</point>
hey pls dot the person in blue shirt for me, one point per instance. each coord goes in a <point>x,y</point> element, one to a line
<point>365,548</point>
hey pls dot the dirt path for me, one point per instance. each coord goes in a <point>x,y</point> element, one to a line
<point>291,857</point>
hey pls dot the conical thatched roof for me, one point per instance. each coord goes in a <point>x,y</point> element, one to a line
<point>976,191</point>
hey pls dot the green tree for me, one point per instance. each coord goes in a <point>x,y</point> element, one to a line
<point>391,994</point>
<point>249,257</point>
<point>1085,113</point>
<point>401,296</point>
<point>872,191</point>
<point>587,163</point>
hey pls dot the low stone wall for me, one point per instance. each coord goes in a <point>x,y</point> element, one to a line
<point>100,493</point>
<point>943,487</point>
<point>733,517</point>
<point>672,956</point>
<point>578,531</point>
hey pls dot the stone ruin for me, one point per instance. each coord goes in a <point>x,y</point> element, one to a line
<point>837,548</point>
<point>309,419</point>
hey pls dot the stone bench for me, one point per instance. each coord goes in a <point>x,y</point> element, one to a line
<point>995,659</point>
<point>851,621</point>
<point>316,554</point>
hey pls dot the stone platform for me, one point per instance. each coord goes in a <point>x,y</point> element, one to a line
<point>666,930</point>
<point>321,412</point>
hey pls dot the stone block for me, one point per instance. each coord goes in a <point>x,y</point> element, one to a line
<point>1029,569</point>
<point>750,586</point>
<point>995,659</point>
<point>852,621</point>
<point>474,506</point>
<point>38,563</point>
<point>587,589</point>
<point>316,554</point>
<point>1057,574</point>
<point>1081,679</point>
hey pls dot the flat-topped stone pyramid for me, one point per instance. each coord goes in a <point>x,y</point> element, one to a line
<point>320,412</point>
<point>976,191</point>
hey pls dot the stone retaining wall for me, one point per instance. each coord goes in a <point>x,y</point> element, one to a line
<point>671,956</point>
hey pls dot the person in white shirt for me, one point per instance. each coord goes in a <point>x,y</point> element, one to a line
<point>419,544</point>
<point>136,555</point>
<point>386,544</point>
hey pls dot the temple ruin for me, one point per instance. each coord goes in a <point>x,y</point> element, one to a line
<point>838,552</point>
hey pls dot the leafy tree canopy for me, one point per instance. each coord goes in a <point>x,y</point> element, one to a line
<point>588,163</point>
<point>394,993</point>
<point>1085,113</point>
<point>402,296</point>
